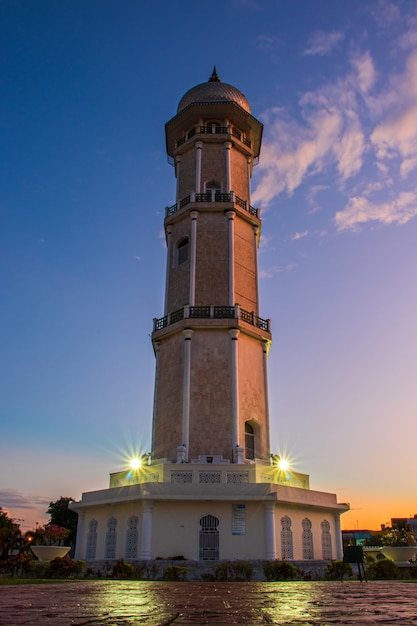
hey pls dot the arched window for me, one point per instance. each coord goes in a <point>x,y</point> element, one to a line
<point>213,185</point>
<point>307,539</point>
<point>326,541</point>
<point>249,442</point>
<point>182,251</point>
<point>236,132</point>
<point>90,554</point>
<point>111,539</point>
<point>287,551</point>
<point>213,126</point>
<point>209,538</point>
<point>213,189</point>
<point>132,537</point>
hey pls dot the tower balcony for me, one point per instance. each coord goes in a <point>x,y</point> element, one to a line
<point>212,312</point>
<point>213,129</point>
<point>212,197</point>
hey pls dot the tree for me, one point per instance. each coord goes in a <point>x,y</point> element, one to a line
<point>61,515</point>
<point>9,534</point>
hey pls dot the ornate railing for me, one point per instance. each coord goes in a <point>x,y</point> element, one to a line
<point>213,130</point>
<point>211,196</point>
<point>211,312</point>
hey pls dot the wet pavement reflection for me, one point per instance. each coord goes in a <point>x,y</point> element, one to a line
<point>161,604</point>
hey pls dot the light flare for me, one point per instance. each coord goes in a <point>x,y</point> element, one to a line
<point>135,463</point>
<point>283,465</point>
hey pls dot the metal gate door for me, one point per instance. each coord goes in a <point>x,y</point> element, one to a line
<point>209,538</point>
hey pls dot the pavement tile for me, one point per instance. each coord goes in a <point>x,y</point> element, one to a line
<point>125,603</point>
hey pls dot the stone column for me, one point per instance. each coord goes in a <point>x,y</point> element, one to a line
<point>239,452</point>
<point>186,392</point>
<point>146,536</point>
<point>228,145</point>
<point>231,216</point>
<point>269,512</point>
<point>80,540</point>
<point>248,161</point>
<point>338,537</point>
<point>199,146</point>
<point>156,347</point>
<point>177,174</point>
<point>234,333</point>
<point>167,273</point>
<point>255,250</point>
<point>265,349</point>
<point>193,255</point>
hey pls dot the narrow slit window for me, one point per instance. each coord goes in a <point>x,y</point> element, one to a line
<point>249,442</point>
<point>182,251</point>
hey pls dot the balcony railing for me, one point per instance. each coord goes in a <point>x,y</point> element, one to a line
<point>211,312</point>
<point>210,197</point>
<point>213,130</point>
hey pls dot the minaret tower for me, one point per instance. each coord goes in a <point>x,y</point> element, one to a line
<point>211,384</point>
<point>211,345</point>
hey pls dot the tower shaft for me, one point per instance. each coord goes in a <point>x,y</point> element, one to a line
<point>211,346</point>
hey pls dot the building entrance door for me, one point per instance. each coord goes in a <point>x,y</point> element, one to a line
<point>209,538</point>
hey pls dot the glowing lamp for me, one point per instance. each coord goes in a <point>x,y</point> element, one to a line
<point>135,464</point>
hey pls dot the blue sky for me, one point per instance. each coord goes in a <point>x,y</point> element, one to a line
<point>87,87</point>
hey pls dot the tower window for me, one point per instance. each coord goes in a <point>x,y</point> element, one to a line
<point>249,441</point>
<point>213,185</point>
<point>182,251</point>
<point>214,189</point>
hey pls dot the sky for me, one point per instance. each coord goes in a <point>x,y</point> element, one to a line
<point>87,86</point>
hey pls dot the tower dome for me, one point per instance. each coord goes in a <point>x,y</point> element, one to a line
<point>213,91</point>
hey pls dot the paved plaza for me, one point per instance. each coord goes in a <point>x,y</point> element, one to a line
<point>160,604</point>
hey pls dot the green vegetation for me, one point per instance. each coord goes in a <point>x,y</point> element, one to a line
<point>280,570</point>
<point>10,535</point>
<point>385,569</point>
<point>232,571</point>
<point>175,573</point>
<point>336,570</point>
<point>61,515</point>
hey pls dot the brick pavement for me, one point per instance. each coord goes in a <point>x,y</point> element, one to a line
<point>116,603</point>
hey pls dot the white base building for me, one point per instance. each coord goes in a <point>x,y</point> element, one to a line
<point>208,511</point>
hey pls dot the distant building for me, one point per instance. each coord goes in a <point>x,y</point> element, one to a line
<point>412,524</point>
<point>373,537</point>
<point>211,489</point>
<point>357,537</point>
<point>401,523</point>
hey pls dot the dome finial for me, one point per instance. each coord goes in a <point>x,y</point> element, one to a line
<point>214,78</point>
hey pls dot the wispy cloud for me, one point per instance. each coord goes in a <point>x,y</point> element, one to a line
<point>12,499</point>
<point>364,70</point>
<point>331,135</point>
<point>321,42</point>
<point>386,13</point>
<point>301,235</point>
<point>311,196</point>
<point>360,210</point>
<point>396,134</point>
<point>270,272</point>
<point>264,242</point>
<point>267,43</point>
<point>364,117</point>
<point>408,40</point>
